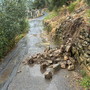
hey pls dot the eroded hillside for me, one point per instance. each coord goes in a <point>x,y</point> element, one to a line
<point>70,27</point>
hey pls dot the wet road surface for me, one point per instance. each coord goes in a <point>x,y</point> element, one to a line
<point>14,75</point>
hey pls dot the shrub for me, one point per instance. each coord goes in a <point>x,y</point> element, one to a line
<point>85,82</point>
<point>88,2</point>
<point>12,23</point>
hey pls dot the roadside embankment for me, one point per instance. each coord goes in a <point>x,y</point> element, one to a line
<point>70,27</point>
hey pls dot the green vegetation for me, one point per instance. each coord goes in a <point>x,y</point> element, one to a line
<point>51,4</point>
<point>19,37</point>
<point>12,23</point>
<point>54,4</point>
<point>72,6</point>
<point>30,4</point>
<point>88,13</point>
<point>88,2</point>
<point>39,4</point>
<point>85,82</point>
<point>51,15</point>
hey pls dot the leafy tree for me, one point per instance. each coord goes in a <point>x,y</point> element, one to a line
<point>88,1</point>
<point>51,4</point>
<point>12,23</point>
<point>54,4</point>
<point>39,4</point>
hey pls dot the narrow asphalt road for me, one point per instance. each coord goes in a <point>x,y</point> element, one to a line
<point>14,75</point>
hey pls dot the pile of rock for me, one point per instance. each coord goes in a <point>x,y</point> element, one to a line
<point>75,36</point>
<point>81,48</point>
<point>51,61</point>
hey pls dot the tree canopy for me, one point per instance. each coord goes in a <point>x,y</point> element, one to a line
<point>12,23</point>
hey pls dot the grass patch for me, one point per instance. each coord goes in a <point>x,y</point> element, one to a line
<point>85,82</point>
<point>72,6</point>
<point>19,37</point>
<point>51,15</point>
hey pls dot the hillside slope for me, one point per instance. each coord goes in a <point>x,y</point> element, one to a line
<point>70,27</point>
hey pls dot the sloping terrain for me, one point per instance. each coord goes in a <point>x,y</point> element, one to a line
<point>71,28</point>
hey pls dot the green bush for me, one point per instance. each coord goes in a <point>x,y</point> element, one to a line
<point>71,7</point>
<point>12,23</point>
<point>85,82</point>
<point>55,4</point>
<point>88,2</point>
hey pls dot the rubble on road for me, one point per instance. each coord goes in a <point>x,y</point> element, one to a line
<point>48,75</point>
<point>56,67</point>
<point>71,67</point>
<point>52,60</point>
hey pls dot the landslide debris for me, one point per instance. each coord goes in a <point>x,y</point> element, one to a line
<point>72,29</point>
<point>52,60</point>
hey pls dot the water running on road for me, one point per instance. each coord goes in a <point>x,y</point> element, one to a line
<point>30,78</point>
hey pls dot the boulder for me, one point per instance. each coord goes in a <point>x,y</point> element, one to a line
<point>56,55</point>
<point>66,57</point>
<point>68,47</point>
<point>31,61</point>
<point>72,60</point>
<point>50,55</point>
<point>89,47</point>
<point>51,51</point>
<point>48,75</point>
<point>58,51</point>
<point>38,56</point>
<point>63,64</point>
<point>58,60</point>
<point>71,67</point>
<point>49,62</point>
<point>69,62</point>
<point>56,67</point>
<point>43,66</point>
<point>61,48</point>
<point>45,55</point>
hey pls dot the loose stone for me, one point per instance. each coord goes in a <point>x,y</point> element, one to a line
<point>63,65</point>
<point>31,61</point>
<point>56,67</point>
<point>71,67</point>
<point>48,75</point>
<point>43,66</point>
